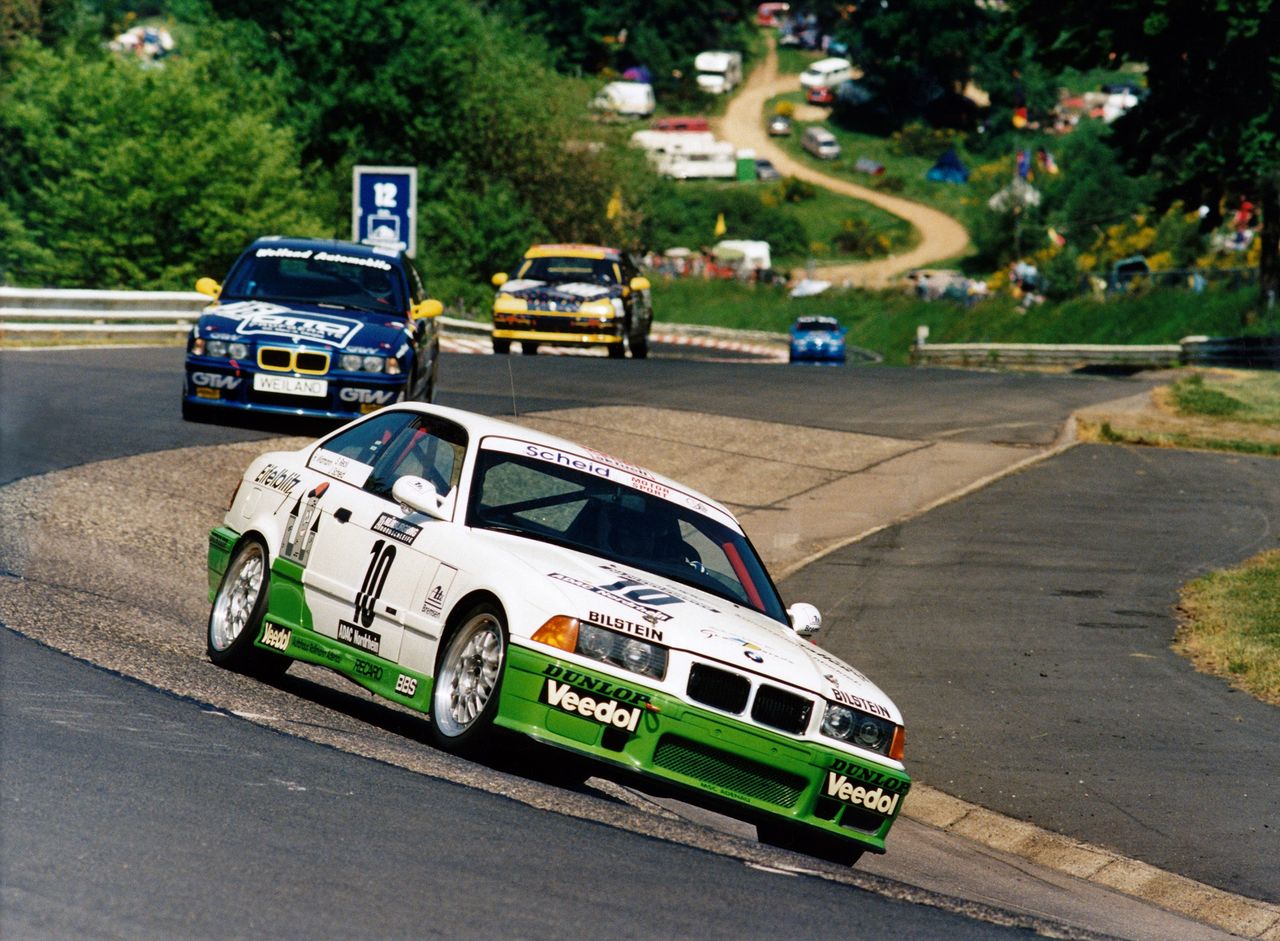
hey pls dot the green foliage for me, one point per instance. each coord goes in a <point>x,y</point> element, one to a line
<point>920,140</point>
<point>685,214</point>
<point>792,189</point>
<point>116,176</point>
<point>857,237</point>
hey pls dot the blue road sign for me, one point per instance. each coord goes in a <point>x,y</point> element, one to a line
<point>384,207</point>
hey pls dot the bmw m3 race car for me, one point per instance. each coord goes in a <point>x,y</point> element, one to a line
<point>817,340</point>
<point>573,295</point>
<point>312,327</point>
<point>492,576</point>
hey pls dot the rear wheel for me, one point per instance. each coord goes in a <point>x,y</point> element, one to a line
<point>528,348</point>
<point>502,347</point>
<point>810,841</point>
<point>468,680</point>
<point>239,606</point>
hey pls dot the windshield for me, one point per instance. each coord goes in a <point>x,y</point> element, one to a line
<point>316,276</point>
<point>591,270</point>
<point>540,494</point>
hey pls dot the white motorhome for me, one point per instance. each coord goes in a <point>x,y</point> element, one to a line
<point>826,73</point>
<point>625,99</point>
<point>688,155</point>
<point>718,71</point>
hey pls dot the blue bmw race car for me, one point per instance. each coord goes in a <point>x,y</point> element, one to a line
<point>817,340</point>
<point>312,327</point>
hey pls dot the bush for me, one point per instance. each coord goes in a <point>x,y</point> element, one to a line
<point>920,140</point>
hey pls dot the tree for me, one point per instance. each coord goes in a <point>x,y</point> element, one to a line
<point>1210,127</point>
<point>116,176</point>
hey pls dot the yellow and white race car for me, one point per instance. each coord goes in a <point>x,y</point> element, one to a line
<point>573,295</point>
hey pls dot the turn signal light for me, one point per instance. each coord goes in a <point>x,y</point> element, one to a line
<point>899,745</point>
<point>561,631</point>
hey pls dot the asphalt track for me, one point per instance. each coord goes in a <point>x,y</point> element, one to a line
<point>1014,410</point>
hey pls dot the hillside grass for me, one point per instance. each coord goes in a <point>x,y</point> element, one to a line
<point>886,321</point>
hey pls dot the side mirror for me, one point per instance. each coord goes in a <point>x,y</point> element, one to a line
<point>499,279</point>
<point>209,287</point>
<point>806,620</point>
<point>420,496</point>
<point>428,308</point>
<point>640,284</point>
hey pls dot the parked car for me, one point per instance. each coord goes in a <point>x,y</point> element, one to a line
<point>312,327</point>
<point>779,126</point>
<point>820,95</point>
<point>494,577</point>
<point>573,295</point>
<point>765,170</point>
<point>820,142</point>
<point>826,73</point>
<point>817,339</point>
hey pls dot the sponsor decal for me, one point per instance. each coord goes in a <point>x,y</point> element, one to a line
<point>370,671</point>
<point>608,712</point>
<point>857,702</point>
<point>554,456</point>
<point>276,637</point>
<point>381,555</point>
<point>647,631</point>
<point>320,652</point>
<point>214,380</point>
<point>841,788</point>
<point>304,522</point>
<point>607,591</point>
<point>343,468</point>
<point>359,637</point>
<point>869,776</point>
<point>367,396</point>
<point>819,654</point>
<point>669,591</point>
<point>258,317</point>
<point>749,650</point>
<point>406,685</point>
<point>208,393</point>
<point>594,684</point>
<point>322,256</point>
<point>398,529</point>
<point>275,477</point>
<point>438,593</point>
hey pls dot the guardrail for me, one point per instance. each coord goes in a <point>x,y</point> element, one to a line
<point>71,311</point>
<point>1239,352</point>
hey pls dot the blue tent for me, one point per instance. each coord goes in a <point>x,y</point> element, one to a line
<point>949,169</point>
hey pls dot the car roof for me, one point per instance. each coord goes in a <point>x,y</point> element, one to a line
<point>480,426</point>
<point>573,251</point>
<point>295,243</point>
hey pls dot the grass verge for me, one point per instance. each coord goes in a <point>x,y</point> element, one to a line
<point>1230,625</point>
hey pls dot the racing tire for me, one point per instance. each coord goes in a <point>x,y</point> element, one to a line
<point>501,347</point>
<point>468,681</point>
<point>428,393</point>
<point>239,605</point>
<point>528,348</point>
<point>801,838</point>
<point>617,350</point>
<point>639,346</point>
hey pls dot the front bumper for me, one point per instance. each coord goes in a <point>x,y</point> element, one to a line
<point>751,771</point>
<point>216,384</point>
<point>557,327</point>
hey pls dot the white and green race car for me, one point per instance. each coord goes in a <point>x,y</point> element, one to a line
<point>491,576</point>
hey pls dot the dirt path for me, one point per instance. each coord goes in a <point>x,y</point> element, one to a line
<point>743,124</point>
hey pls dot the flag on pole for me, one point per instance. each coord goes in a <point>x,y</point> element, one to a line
<point>614,209</point>
<point>721,228</point>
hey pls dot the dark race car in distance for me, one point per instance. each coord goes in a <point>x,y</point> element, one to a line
<point>312,327</point>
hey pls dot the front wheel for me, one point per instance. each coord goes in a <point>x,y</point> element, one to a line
<point>238,609</point>
<point>501,347</point>
<point>639,344</point>
<point>528,348</point>
<point>810,841</point>
<point>468,680</point>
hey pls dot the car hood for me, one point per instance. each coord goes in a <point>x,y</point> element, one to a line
<point>303,324</point>
<point>565,294</point>
<point>562,581</point>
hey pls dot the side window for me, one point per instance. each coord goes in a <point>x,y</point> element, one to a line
<point>378,452</point>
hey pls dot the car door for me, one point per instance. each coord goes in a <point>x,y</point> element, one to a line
<point>369,557</point>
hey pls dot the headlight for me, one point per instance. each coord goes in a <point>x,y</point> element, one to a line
<point>354,362</point>
<point>860,729</point>
<point>598,643</point>
<point>216,348</point>
<point>238,350</point>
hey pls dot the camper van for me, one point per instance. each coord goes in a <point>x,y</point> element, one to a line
<point>820,142</point>
<point>688,155</point>
<point>625,99</point>
<point>826,73</point>
<point>718,72</point>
